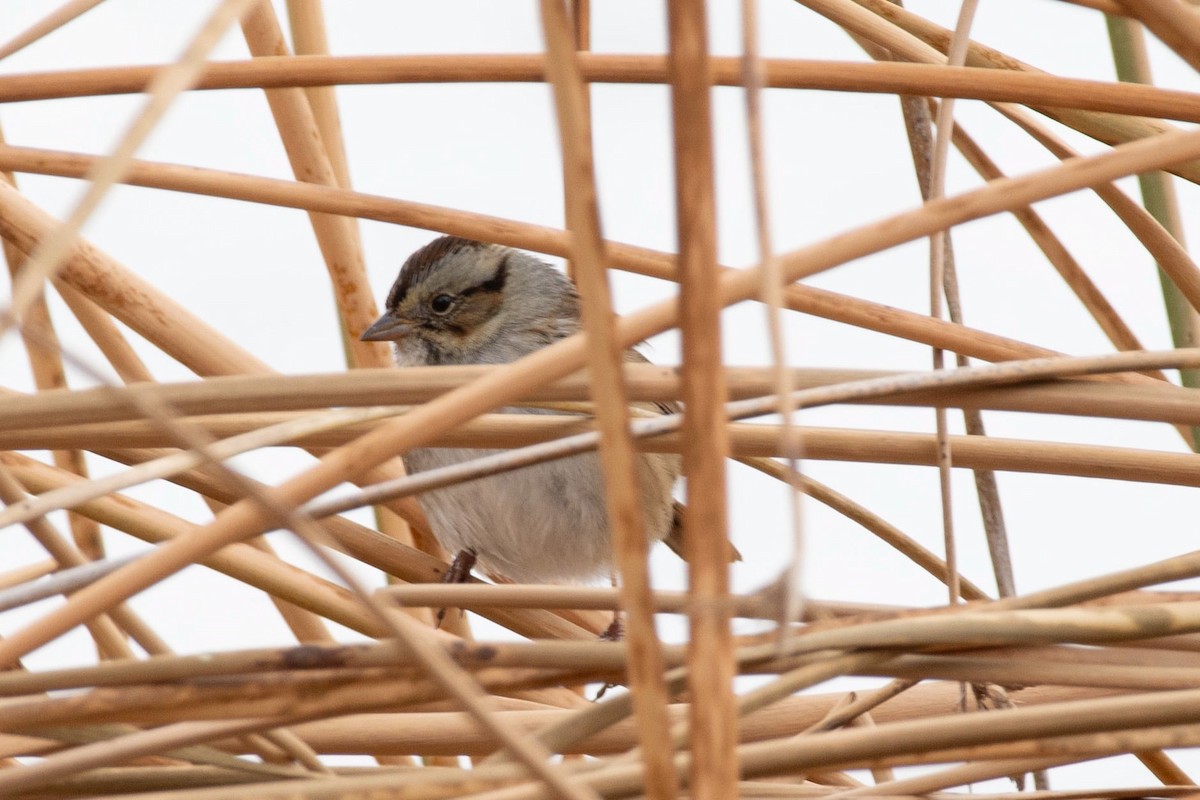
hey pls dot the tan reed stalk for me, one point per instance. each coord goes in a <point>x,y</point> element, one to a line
<point>748,441</point>
<point>277,578</point>
<point>237,397</point>
<point>622,500</point>
<point>1174,23</point>
<point>27,573</point>
<point>309,694</point>
<point>1173,259</point>
<point>442,732</point>
<point>1107,6</point>
<point>323,157</point>
<point>106,336</point>
<point>938,283</point>
<point>110,641</point>
<point>878,526</point>
<point>916,36</point>
<point>1001,83</point>
<point>1128,43</point>
<point>964,776</point>
<point>54,768</point>
<point>1009,671</point>
<point>1035,89</point>
<point>580,22</point>
<point>182,461</point>
<point>713,719</point>
<point>47,25</point>
<point>921,144</point>
<point>1163,768</point>
<point>772,294</point>
<point>306,18</point>
<point>45,362</point>
<point>337,236</point>
<point>1089,294</point>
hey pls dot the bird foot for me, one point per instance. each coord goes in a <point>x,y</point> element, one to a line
<point>459,572</point>
<point>615,631</point>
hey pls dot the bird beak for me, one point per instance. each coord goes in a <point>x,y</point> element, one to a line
<point>388,328</point>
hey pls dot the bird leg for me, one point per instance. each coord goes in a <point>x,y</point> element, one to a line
<point>615,631</point>
<point>459,572</point>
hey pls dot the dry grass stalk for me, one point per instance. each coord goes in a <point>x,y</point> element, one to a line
<point>617,454</point>
<point>712,722</point>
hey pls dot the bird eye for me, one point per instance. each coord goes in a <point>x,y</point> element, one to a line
<point>441,304</point>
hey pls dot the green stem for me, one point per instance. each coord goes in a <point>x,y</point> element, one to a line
<point>1158,194</point>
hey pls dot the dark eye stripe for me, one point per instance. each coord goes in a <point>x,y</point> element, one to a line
<point>493,284</point>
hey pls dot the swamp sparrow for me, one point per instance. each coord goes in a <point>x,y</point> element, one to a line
<point>458,301</point>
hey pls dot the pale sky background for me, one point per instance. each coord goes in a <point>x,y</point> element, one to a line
<point>836,161</point>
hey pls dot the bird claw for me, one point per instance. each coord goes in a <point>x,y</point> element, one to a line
<point>458,572</point>
<point>615,631</point>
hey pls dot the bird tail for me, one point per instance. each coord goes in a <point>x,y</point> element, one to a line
<point>674,538</point>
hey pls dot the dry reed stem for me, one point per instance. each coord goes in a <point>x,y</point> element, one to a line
<point>104,333</point>
<point>448,732</point>
<point>917,36</point>
<point>580,29</point>
<point>1168,251</point>
<point>772,294</point>
<point>938,256</point>
<point>878,526</point>
<point>712,721</point>
<point>268,398</point>
<point>306,19</point>
<point>964,776</point>
<point>997,84</point>
<point>26,574</point>
<point>337,237</point>
<point>806,299</point>
<point>277,578</point>
<point>185,460</point>
<point>48,373</point>
<point>1163,768</point>
<point>863,747</point>
<point>56,767</point>
<point>622,498</point>
<point>1107,6</point>
<point>1128,44</point>
<point>1089,294</point>
<point>747,441</point>
<point>109,639</point>
<point>1172,22</point>
<point>304,138</point>
<point>47,25</point>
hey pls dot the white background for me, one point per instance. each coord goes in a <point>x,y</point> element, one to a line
<point>837,161</point>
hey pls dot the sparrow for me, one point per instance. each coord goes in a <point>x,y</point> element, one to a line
<point>458,301</point>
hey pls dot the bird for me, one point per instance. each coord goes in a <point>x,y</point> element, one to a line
<point>460,301</point>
